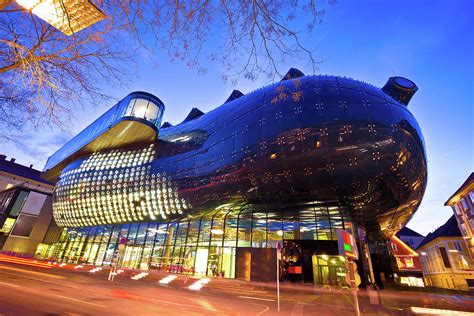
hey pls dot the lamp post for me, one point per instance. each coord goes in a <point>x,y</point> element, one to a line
<point>67,16</point>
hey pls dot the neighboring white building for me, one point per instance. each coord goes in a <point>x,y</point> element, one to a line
<point>462,204</point>
<point>445,259</point>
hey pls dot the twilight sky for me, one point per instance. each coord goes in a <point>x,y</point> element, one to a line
<point>429,42</point>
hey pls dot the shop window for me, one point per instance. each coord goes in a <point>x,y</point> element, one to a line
<point>7,226</point>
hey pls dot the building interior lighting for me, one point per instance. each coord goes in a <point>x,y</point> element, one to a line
<point>435,311</point>
<point>68,16</point>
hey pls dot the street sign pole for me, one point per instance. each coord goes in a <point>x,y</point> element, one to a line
<point>348,249</point>
<point>354,286</point>
<point>278,258</point>
<point>116,264</point>
<point>114,267</point>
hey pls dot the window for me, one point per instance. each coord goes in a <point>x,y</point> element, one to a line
<point>7,226</point>
<point>457,246</point>
<point>409,263</point>
<point>456,209</point>
<point>444,256</point>
<point>400,264</point>
<point>394,247</point>
<point>18,203</point>
<point>24,225</point>
<point>33,204</point>
<point>471,196</point>
<point>144,109</point>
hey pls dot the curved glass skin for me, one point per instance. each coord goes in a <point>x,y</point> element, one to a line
<point>307,140</point>
<point>141,105</point>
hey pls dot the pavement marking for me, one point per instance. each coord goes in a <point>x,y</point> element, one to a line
<point>265,310</point>
<point>171,303</point>
<point>257,298</point>
<point>33,272</point>
<point>297,310</point>
<point>81,301</point>
<point>14,285</point>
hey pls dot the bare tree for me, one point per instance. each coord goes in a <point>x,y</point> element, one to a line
<point>44,73</point>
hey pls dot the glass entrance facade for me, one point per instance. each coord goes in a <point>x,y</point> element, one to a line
<point>203,245</point>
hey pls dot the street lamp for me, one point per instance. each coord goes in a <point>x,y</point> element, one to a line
<point>68,16</point>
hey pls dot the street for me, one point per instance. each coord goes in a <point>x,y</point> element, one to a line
<point>57,291</point>
<point>28,291</point>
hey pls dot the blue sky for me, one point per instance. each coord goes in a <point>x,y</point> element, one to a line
<point>429,42</point>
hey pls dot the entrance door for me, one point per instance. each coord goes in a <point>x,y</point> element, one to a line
<point>328,270</point>
<point>131,257</point>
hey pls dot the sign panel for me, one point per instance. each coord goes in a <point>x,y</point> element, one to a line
<point>347,245</point>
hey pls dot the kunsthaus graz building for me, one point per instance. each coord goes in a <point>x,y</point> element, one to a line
<point>289,163</point>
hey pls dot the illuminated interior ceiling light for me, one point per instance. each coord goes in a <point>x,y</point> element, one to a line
<point>217,231</point>
<point>434,311</point>
<point>68,16</point>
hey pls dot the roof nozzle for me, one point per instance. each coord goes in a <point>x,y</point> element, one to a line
<point>400,88</point>
<point>292,74</point>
